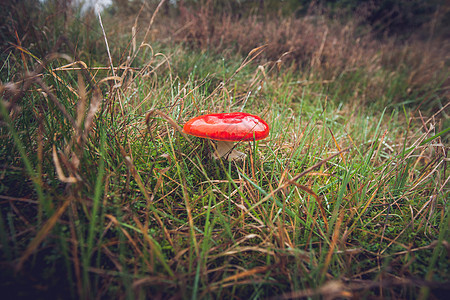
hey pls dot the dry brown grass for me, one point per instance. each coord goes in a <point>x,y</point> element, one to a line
<point>310,41</point>
<point>320,47</point>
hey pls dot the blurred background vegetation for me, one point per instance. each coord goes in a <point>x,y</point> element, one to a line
<point>328,38</point>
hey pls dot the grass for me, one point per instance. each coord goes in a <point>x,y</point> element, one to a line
<point>102,195</point>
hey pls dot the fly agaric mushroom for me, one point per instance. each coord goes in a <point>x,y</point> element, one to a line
<point>227,128</point>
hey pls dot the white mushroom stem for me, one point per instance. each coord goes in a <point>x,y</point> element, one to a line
<point>225,149</point>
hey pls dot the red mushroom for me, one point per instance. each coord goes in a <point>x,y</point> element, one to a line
<point>227,128</point>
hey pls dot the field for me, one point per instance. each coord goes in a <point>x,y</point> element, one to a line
<point>103,195</point>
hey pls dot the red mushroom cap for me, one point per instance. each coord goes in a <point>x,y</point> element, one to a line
<point>237,126</point>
